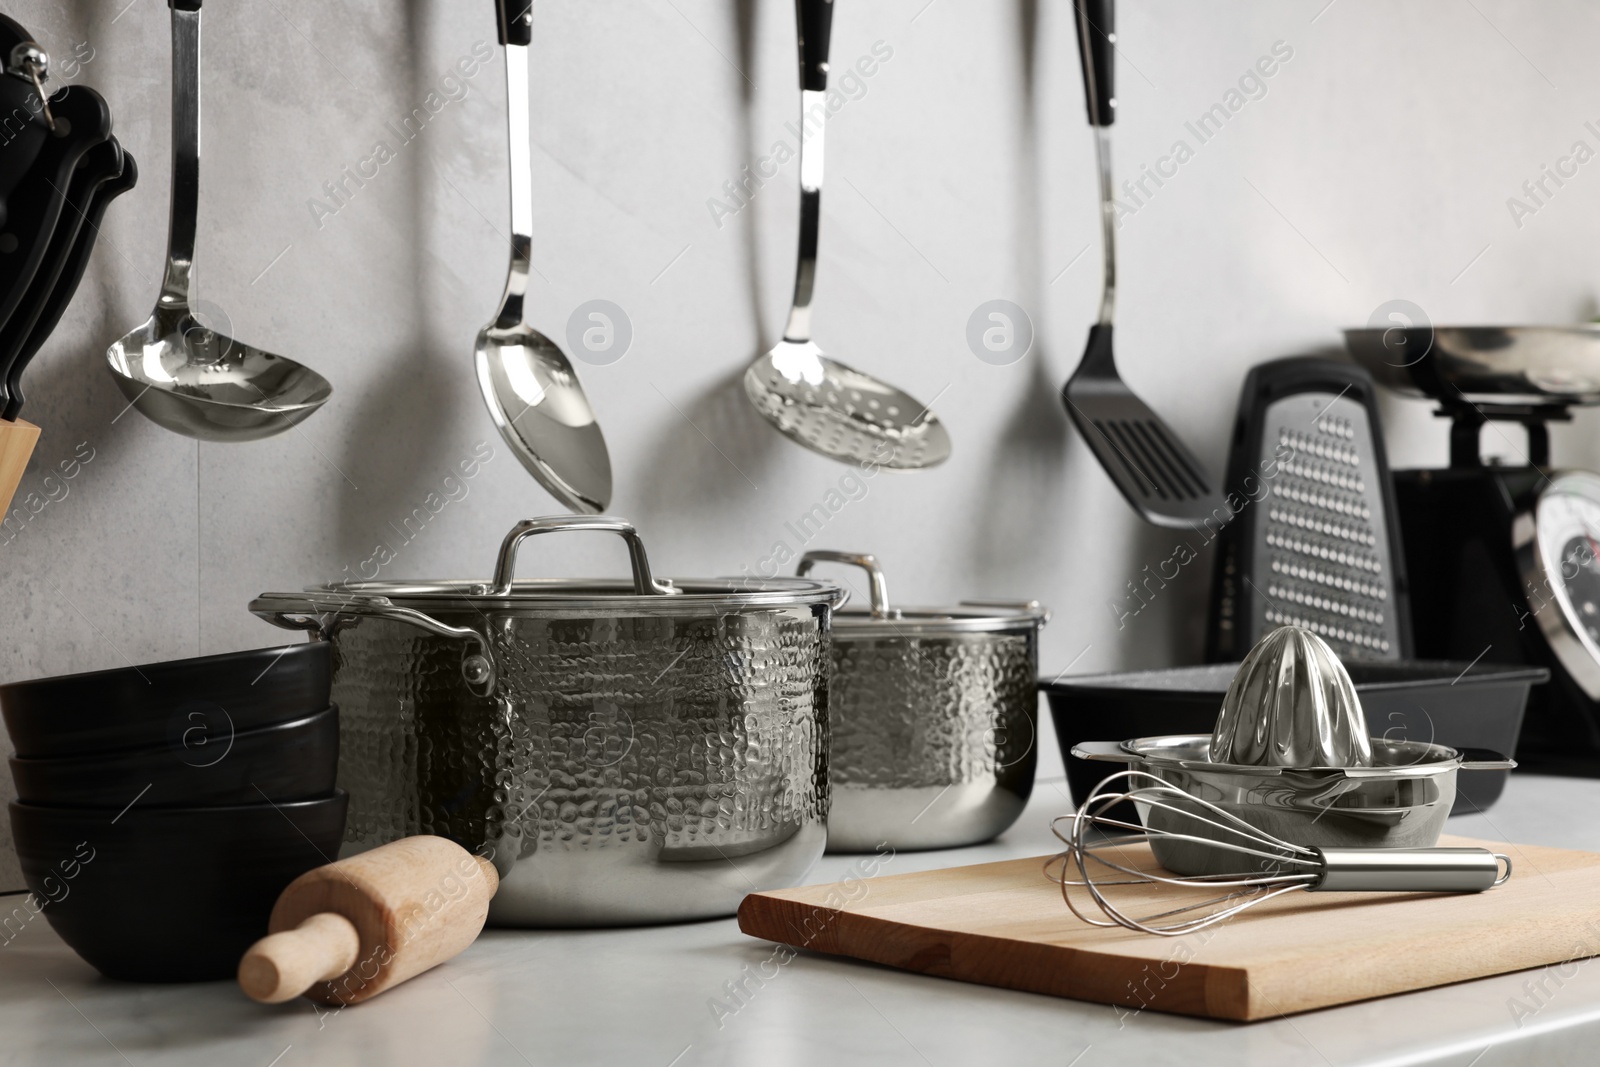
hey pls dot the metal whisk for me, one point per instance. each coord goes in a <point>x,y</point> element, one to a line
<point>1268,867</point>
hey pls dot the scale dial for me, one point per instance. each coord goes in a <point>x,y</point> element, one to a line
<point>1558,549</point>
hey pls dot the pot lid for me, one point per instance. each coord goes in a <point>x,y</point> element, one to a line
<point>675,595</point>
<point>881,621</point>
<point>423,604</point>
<point>643,594</point>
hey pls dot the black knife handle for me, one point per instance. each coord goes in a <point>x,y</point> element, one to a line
<point>514,21</point>
<point>184,5</point>
<point>1096,33</point>
<point>815,21</point>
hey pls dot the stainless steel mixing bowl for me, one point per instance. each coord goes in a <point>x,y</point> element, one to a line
<point>1400,801</point>
<point>933,714</point>
<point>628,751</point>
<point>1485,365</point>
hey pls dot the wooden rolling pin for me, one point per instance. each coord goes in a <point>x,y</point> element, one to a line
<point>345,932</point>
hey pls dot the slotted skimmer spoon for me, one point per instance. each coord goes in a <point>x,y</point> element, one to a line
<point>530,388</point>
<point>1158,474</point>
<point>178,372</point>
<point>822,404</point>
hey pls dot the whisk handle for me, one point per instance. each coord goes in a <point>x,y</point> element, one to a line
<point>1410,870</point>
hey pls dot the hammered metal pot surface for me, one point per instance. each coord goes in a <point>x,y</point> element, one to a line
<point>626,769</point>
<point>932,738</point>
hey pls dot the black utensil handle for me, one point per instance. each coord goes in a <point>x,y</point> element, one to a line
<point>98,165</point>
<point>514,21</point>
<point>815,19</point>
<point>34,208</point>
<point>184,5</point>
<point>66,286</point>
<point>22,135</point>
<point>1096,32</point>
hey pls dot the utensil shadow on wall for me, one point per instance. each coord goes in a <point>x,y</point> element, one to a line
<point>744,12</point>
<point>1026,483</point>
<point>720,476</point>
<point>69,391</point>
<point>722,414</point>
<point>1027,477</point>
<point>398,444</point>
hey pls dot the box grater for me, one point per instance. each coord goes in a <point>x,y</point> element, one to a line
<point>1314,540</point>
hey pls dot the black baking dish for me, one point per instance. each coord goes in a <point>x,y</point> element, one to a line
<point>1448,703</point>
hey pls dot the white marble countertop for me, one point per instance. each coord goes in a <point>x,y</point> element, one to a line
<point>660,997</point>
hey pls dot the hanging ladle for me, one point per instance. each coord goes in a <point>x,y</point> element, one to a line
<point>815,401</point>
<point>531,390</point>
<point>178,372</point>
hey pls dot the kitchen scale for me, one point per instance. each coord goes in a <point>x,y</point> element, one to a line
<point>1504,561</point>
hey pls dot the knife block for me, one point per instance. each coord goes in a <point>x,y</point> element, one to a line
<point>16,448</point>
<point>345,932</point>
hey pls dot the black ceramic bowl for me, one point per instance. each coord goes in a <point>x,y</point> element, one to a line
<point>146,706</point>
<point>1457,704</point>
<point>170,894</point>
<point>294,760</point>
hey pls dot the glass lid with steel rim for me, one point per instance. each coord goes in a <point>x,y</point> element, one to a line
<point>1558,552</point>
<point>879,620</point>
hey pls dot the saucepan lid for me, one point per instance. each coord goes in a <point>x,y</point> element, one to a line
<point>881,621</point>
<point>469,611</point>
<point>505,594</point>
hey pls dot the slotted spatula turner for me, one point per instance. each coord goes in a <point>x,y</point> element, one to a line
<point>1158,474</point>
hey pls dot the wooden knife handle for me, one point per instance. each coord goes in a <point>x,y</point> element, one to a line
<point>16,448</point>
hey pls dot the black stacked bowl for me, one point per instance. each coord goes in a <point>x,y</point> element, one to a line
<point>161,808</point>
<point>145,706</point>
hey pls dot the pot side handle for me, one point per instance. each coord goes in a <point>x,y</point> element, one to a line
<point>1484,759</point>
<point>1026,607</point>
<point>1104,751</point>
<point>325,612</point>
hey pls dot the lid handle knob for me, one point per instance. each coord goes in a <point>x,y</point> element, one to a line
<point>864,560</point>
<point>505,567</point>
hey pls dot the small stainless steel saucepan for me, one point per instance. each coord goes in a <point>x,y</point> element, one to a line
<point>933,715</point>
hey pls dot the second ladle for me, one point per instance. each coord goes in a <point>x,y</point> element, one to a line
<point>824,405</point>
<point>178,372</point>
<point>531,390</point>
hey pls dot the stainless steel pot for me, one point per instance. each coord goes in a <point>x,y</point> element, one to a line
<point>933,716</point>
<point>630,751</point>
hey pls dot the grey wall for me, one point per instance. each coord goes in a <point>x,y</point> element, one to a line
<point>1375,164</point>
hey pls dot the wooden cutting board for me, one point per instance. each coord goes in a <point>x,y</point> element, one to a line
<point>1004,924</point>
